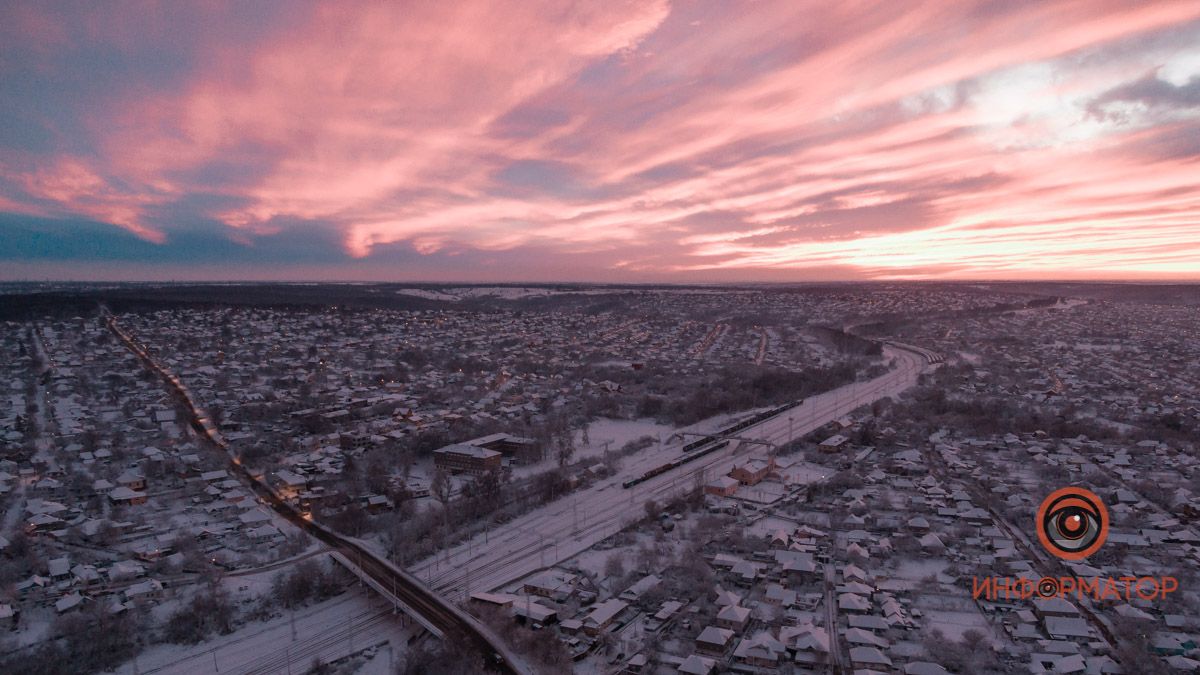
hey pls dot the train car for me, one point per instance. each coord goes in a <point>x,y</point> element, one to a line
<point>674,464</point>
<point>697,448</point>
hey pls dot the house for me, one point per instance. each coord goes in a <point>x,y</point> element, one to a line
<point>68,602</point>
<point>507,444</point>
<point>810,643</point>
<point>778,595</point>
<point>744,573</point>
<point>463,458</point>
<point>714,641</point>
<point>602,616</point>
<point>697,665</point>
<point>43,522</point>
<point>664,614</point>
<point>870,658</point>
<point>1173,644</point>
<point>849,602</point>
<point>126,496</point>
<point>858,636</point>
<point>797,567</point>
<point>725,598</point>
<point>59,568</point>
<point>554,584</point>
<point>503,600</point>
<point>725,486</point>
<point>640,588</point>
<point>290,484</point>
<point>85,575</point>
<point>144,591</point>
<point>733,617</point>
<point>870,622</point>
<point>636,664</point>
<point>132,480</point>
<point>1067,628</point>
<point>533,612</point>
<point>924,668</point>
<point>762,651</point>
<point>833,443</point>
<point>264,534</point>
<point>377,504</point>
<point>125,569</point>
<point>778,539</point>
<point>752,472</point>
<point>8,617</point>
<point>1047,607</point>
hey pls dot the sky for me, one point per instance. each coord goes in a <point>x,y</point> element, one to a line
<point>608,141</point>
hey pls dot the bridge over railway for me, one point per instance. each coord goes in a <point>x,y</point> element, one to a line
<point>405,592</point>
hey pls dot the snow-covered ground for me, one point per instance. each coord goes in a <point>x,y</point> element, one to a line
<point>616,433</point>
<point>328,631</point>
<point>456,294</point>
<point>953,624</point>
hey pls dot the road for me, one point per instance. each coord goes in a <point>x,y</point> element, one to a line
<point>831,624</point>
<point>560,530</point>
<point>762,347</point>
<point>432,611</point>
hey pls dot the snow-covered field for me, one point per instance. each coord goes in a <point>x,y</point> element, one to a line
<point>953,624</point>
<point>457,294</point>
<point>329,630</point>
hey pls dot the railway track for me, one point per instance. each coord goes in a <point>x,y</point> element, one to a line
<point>436,614</point>
<point>549,535</point>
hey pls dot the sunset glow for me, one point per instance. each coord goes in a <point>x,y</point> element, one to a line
<point>640,141</point>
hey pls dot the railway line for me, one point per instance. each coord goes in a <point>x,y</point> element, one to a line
<point>437,615</point>
<point>579,521</point>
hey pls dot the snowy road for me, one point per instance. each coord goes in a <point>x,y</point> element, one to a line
<point>577,522</point>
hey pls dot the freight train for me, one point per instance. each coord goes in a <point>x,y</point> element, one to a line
<point>699,448</point>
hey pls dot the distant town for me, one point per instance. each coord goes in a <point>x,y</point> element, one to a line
<point>391,478</point>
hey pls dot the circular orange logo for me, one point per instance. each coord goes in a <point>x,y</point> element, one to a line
<point>1072,523</point>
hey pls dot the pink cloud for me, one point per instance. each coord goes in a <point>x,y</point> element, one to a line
<point>896,136</point>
